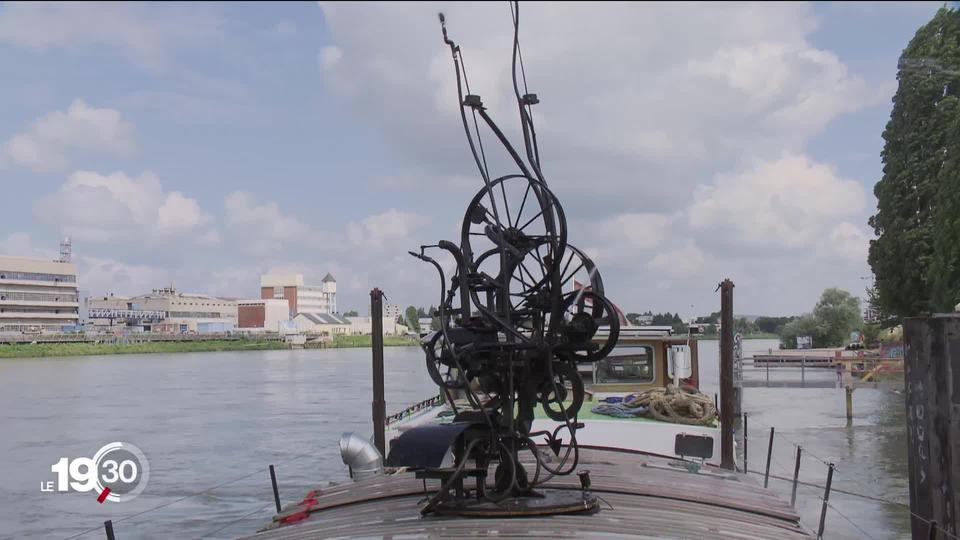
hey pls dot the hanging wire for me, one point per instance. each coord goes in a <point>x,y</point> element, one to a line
<point>234,522</point>
<point>850,521</point>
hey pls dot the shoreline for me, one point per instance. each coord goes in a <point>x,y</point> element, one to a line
<point>48,350</point>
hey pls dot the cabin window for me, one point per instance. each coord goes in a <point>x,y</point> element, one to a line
<point>627,365</point>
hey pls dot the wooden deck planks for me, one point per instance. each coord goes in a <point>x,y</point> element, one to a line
<point>648,498</point>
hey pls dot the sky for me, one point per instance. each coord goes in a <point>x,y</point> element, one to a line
<point>205,144</point>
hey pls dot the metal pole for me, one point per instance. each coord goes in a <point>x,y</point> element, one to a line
<point>796,476</point>
<point>727,406</point>
<point>932,535</point>
<point>826,499</point>
<point>803,369</point>
<point>108,527</point>
<point>276,490</point>
<point>379,404</point>
<point>745,438</point>
<point>766,475</point>
<point>768,372</point>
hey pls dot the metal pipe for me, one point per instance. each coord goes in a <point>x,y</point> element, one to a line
<point>727,460</point>
<point>276,491</point>
<point>379,403</point>
<point>766,475</point>
<point>108,528</point>
<point>826,499</point>
<point>362,458</point>
<point>796,477</point>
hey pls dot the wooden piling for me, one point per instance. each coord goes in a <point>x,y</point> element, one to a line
<point>379,402</point>
<point>849,392</point>
<point>745,439</point>
<point>727,407</point>
<point>932,377</point>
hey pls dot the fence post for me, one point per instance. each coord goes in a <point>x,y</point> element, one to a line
<point>276,490</point>
<point>826,499</point>
<point>803,369</point>
<point>796,476</point>
<point>932,535</point>
<point>108,527</point>
<point>766,475</point>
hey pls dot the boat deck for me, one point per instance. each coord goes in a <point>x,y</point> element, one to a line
<point>642,497</point>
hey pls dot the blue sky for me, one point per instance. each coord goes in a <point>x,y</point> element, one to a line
<point>205,144</point>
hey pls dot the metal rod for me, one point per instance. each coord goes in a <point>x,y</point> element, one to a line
<point>932,535</point>
<point>276,490</point>
<point>803,369</point>
<point>745,438</point>
<point>768,371</point>
<point>108,527</point>
<point>727,406</point>
<point>379,403</point>
<point>826,499</point>
<point>796,477</point>
<point>766,475</point>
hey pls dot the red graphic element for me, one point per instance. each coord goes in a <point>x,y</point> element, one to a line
<point>103,496</point>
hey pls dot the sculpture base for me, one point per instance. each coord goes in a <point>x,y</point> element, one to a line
<point>547,502</point>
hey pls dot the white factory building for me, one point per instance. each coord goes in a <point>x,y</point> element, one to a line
<point>38,295</point>
<point>301,298</point>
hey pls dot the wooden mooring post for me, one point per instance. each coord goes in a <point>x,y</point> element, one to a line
<point>727,407</point>
<point>379,401</point>
<point>932,377</point>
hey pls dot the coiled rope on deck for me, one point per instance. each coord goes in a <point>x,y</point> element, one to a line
<point>685,405</point>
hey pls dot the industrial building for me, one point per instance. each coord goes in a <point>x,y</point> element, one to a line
<point>38,295</point>
<point>321,324</point>
<point>391,310</point>
<point>165,311</point>
<point>364,326</point>
<point>262,315</point>
<point>301,298</point>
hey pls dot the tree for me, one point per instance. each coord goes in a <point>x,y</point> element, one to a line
<point>915,257</point>
<point>421,313</point>
<point>413,322</point>
<point>837,314</point>
<point>634,318</point>
<point>351,313</point>
<point>804,325</point>
<point>772,325</point>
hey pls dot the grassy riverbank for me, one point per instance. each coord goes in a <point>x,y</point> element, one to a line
<point>36,350</point>
<point>367,341</point>
<point>28,350</point>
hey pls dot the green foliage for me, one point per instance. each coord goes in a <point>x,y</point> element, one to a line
<point>413,320</point>
<point>836,314</point>
<point>351,313</point>
<point>804,325</point>
<point>29,350</point>
<point>916,256</point>
<point>772,325</point>
<point>871,333</point>
<point>634,318</point>
<point>435,324</point>
<point>421,313</point>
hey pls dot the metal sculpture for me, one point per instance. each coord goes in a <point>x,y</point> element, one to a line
<point>522,309</point>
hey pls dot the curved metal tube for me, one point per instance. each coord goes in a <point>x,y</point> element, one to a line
<point>361,456</point>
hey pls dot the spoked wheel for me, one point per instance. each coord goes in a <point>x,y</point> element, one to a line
<point>530,281</point>
<point>555,394</point>
<point>585,313</point>
<point>514,215</point>
<point>440,363</point>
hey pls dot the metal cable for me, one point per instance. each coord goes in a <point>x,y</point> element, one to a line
<point>234,522</point>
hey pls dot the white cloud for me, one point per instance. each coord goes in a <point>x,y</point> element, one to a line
<point>46,144</point>
<point>392,227</point>
<point>104,275</point>
<point>790,202</point>
<point>619,238</point>
<point>117,208</point>
<point>261,228</point>
<point>661,96</point>
<point>147,33</point>
<point>687,260</point>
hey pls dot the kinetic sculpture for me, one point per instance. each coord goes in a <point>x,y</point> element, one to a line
<point>522,309</point>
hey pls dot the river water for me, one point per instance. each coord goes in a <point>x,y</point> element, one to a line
<point>205,419</point>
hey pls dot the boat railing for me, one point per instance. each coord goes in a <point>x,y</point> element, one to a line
<point>416,407</point>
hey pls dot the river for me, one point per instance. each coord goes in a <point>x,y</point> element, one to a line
<point>204,419</point>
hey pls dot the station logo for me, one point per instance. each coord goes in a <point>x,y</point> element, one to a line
<point>118,472</point>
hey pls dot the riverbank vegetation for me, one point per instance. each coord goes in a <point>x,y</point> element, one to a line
<point>367,341</point>
<point>36,350</point>
<point>835,316</point>
<point>916,255</point>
